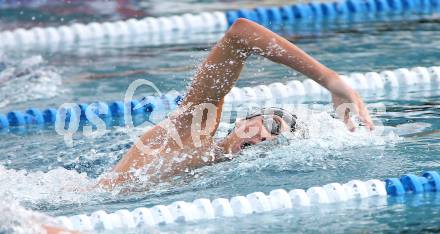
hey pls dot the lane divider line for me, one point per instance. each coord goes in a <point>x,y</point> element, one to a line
<point>253,203</point>
<point>298,14</point>
<point>402,78</point>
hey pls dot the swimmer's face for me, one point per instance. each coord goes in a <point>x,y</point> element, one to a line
<point>255,130</point>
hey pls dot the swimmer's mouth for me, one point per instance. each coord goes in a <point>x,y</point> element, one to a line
<point>245,145</point>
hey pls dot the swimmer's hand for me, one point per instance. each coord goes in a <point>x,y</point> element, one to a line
<point>347,101</point>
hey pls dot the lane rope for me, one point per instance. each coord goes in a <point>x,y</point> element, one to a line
<point>297,14</point>
<point>253,203</point>
<point>402,78</point>
<point>398,79</point>
<point>77,32</point>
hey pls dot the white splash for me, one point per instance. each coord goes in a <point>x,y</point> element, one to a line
<point>30,79</point>
<point>56,187</point>
<point>18,220</point>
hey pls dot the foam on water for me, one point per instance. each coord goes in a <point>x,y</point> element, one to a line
<point>55,187</point>
<point>30,79</point>
<point>18,220</point>
<point>68,180</point>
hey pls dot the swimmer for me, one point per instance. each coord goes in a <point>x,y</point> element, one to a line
<point>173,147</point>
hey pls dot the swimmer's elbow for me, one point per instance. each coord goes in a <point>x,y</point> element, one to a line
<point>241,22</point>
<point>237,28</point>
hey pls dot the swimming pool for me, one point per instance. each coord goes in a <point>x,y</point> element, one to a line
<point>42,173</point>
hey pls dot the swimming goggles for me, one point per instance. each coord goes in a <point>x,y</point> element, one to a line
<point>271,124</point>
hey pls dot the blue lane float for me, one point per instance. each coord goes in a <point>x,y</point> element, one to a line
<point>49,115</point>
<point>356,7</point>
<point>331,10</point>
<point>413,183</point>
<point>432,181</point>
<point>256,202</point>
<point>115,109</point>
<point>302,12</point>
<point>4,122</point>
<point>410,183</point>
<point>273,14</point>
<point>394,187</point>
<point>316,10</point>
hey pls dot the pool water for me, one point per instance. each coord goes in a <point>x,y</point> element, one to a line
<point>42,173</point>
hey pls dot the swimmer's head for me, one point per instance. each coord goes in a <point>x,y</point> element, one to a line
<point>265,124</point>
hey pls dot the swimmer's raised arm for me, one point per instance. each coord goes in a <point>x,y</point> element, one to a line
<point>219,72</point>
<point>160,151</point>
